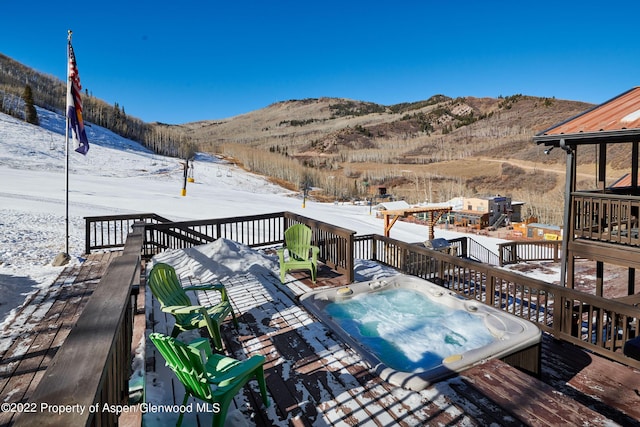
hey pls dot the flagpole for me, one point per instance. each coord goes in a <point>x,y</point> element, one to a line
<point>66,133</point>
<point>73,116</point>
<point>64,257</point>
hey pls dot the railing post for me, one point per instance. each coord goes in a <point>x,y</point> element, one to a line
<point>559,310</point>
<point>440,270</point>
<point>87,234</point>
<point>491,289</point>
<point>350,259</point>
<point>374,248</point>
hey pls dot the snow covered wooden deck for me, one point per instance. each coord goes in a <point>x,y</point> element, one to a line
<point>39,328</point>
<point>315,379</point>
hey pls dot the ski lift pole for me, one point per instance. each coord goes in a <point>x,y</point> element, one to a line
<point>185,167</point>
<point>305,185</point>
<point>305,189</point>
<point>190,177</point>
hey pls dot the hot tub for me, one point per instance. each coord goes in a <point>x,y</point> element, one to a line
<point>414,333</point>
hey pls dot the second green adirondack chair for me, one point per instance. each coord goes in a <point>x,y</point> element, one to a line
<point>168,290</point>
<point>302,254</point>
<point>212,378</point>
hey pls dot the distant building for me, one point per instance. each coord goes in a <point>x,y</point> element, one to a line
<point>476,212</point>
<point>474,219</point>
<point>623,182</point>
<point>538,231</point>
<point>490,211</point>
<point>516,211</point>
<point>378,192</point>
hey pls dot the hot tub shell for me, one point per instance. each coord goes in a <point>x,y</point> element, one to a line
<point>517,341</point>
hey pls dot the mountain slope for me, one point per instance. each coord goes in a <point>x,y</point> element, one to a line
<point>431,150</point>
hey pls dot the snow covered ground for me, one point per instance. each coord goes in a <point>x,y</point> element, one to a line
<point>119,176</point>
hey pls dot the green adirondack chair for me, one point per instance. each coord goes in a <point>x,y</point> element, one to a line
<point>212,378</point>
<point>302,254</point>
<point>168,290</point>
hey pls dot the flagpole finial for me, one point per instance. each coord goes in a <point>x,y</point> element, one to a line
<point>69,32</point>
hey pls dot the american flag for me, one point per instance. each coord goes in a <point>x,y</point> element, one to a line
<point>74,105</point>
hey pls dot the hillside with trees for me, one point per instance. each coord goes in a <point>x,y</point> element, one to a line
<point>49,92</point>
<point>342,149</point>
<point>427,151</point>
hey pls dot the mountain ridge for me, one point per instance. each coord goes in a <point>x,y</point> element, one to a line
<point>425,151</point>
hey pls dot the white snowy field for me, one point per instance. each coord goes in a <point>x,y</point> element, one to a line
<point>119,176</point>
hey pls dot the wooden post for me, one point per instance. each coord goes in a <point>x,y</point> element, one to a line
<point>599,278</point>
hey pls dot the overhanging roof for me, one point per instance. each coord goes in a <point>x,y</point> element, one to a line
<point>624,181</point>
<point>617,120</point>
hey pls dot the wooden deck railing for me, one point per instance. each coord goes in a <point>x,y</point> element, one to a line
<point>606,217</point>
<point>110,232</point>
<point>530,250</point>
<point>335,243</point>
<point>254,230</point>
<point>92,367</point>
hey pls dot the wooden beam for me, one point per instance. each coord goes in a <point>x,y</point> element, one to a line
<point>634,164</point>
<point>432,211</point>
<point>434,216</point>
<point>567,237</point>
<point>622,255</point>
<point>388,225</point>
<point>599,278</point>
<point>602,166</point>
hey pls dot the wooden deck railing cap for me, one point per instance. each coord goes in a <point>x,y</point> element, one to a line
<point>78,368</point>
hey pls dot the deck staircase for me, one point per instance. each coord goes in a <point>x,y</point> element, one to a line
<point>500,221</point>
<point>480,253</point>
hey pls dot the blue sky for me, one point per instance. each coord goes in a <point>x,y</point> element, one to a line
<point>188,60</point>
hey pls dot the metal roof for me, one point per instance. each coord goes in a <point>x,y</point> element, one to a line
<point>617,120</point>
<point>546,226</point>
<point>624,181</point>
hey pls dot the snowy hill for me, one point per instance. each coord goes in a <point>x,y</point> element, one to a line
<point>119,176</point>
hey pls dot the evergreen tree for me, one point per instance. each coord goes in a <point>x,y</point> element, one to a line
<point>30,113</point>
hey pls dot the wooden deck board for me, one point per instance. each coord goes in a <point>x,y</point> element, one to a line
<point>312,377</point>
<point>313,365</point>
<point>606,386</point>
<point>527,399</point>
<point>48,318</point>
<point>307,367</point>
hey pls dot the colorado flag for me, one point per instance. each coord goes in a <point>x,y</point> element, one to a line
<point>74,105</point>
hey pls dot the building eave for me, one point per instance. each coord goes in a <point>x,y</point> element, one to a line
<point>612,136</point>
